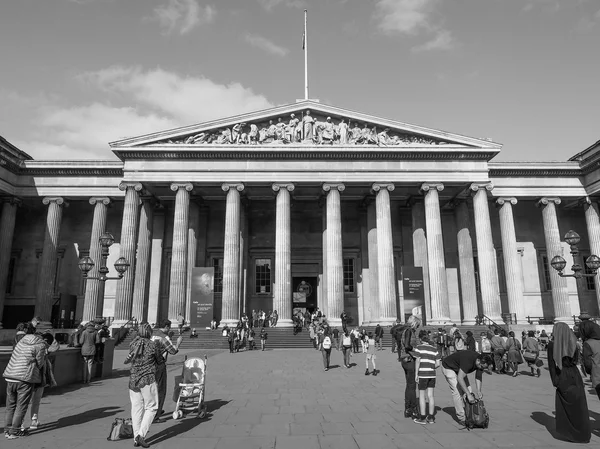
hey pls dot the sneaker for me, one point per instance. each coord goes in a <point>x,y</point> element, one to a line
<point>10,436</point>
<point>367,373</point>
<point>375,372</point>
<point>420,420</point>
<point>34,424</point>
<point>430,419</point>
<point>326,369</point>
<point>515,374</point>
<point>22,433</point>
<point>408,413</point>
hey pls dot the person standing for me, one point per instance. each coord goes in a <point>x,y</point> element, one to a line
<point>21,374</point>
<point>455,368</point>
<point>428,359</point>
<point>470,343</point>
<point>486,345</point>
<point>379,337</point>
<point>325,346</point>
<point>336,338</point>
<point>165,347</point>
<point>346,348</point>
<point>254,318</point>
<point>144,355</point>
<point>88,340</point>
<point>572,414</point>
<point>274,318</point>
<point>371,356</point>
<point>263,338</point>
<point>590,334</point>
<point>344,319</point>
<point>231,339</point>
<point>48,381</point>
<point>408,341</point>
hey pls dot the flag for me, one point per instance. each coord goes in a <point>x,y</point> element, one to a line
<point>303,41</point>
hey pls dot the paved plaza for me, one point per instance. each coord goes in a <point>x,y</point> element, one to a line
<point>284,399</point>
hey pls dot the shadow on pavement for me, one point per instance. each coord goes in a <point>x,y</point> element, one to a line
<point>549,422</point>
<point>187,423</point>
<point>450,411</point>
<point>80,418</point>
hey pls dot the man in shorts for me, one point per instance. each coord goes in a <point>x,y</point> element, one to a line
<point>428,358</point>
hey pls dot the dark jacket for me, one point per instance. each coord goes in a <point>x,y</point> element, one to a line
<point>88,339</point>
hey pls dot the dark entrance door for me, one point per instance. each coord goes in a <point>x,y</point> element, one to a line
<point>304,295</point>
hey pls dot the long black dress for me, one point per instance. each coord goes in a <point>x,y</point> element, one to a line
<point>572,415</point>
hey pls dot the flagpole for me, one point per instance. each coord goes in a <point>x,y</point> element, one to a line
<point>305,58</point>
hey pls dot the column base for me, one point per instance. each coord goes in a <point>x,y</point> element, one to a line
<point>383,322</point>
<point>468,322</point>
<point>229,323</point>
<point>334,322</point>
<point>563,319</point>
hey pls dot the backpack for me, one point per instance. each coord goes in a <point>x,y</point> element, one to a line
<point>121,429</point>
<point>476,416</point>
<point>327,343</point>
<point>486,346</point>
<point>347,341</point>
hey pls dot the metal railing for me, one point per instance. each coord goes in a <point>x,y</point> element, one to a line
<point>121,333</point>
<point>487,321</point>
<point>539,320</point>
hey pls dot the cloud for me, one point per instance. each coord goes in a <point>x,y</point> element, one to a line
<point>265,44</point>
<point>413,18</point>
<point>550,6</point>
<point>56,130</point>
<point>270,4</point>
<point>182,16</point>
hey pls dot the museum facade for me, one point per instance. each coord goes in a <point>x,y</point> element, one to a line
<point>299,206</point>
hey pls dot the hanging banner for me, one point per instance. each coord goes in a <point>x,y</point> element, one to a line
<point>202,297</point>
<point>414,290</point>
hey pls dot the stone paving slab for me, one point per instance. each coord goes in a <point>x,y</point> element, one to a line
<point>284,399</point>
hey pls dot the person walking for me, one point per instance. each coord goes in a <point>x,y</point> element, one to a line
<point>346,348</point>
<point>180,322</point>
<point>165,347</point>
<point>371,356</point>
<point>144,356</point>
<point>531,353</point>
<point>459,342</point>
<point>336,338</point>
<point>344,319</point>
<point>486,344</point>
<point>88,340</point>
<point>572,414</point>
<point>325,345</point>
<point>513,358</point>
<point>498,350</point>
<point>263,338</point>
<point>21,374</point>
<point>379,337</point>
<point>408,341</point>
<point>590,334</point>
<point>428,359</point>
<point>455,368</point>
<point>470,343</point>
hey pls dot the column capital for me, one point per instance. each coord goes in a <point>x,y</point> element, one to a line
<point>547,200</point>
<point>476,186</point>
<point>232,185</point>
<point>377,186</point>
<point>506,199</point>
<point>124,185</point>
<point>182,185</point>
<point>283,185</point>
<point>11,200</point>
<point>99,199</point>
<point>59,200</point>
<point>327,186</point>
<point>587,201</point>
<point>427,186</point>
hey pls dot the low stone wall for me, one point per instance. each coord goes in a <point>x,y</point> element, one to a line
<point>68,366</point>
<point>7,336</point>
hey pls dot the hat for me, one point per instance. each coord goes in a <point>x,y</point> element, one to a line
<point>328,118</point>
<point>584,316</point>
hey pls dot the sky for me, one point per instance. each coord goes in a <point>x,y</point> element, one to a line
<point>77,74</point>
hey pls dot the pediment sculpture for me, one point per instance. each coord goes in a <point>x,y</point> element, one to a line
<point>305,129</point>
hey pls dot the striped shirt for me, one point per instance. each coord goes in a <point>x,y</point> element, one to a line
<point>428,355</point>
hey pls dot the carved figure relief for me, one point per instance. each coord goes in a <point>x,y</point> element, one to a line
<point>307,129</point>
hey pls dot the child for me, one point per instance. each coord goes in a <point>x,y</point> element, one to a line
<point>251,340</point>
<point>370,351</point>
<point>427,360</point>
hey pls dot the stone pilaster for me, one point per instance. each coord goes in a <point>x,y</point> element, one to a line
<point>466,263</point>
<point>486,255</point>
<point>373,263</point>
<point>440,307</point>
<point>510,254</point>
<point>192,252</point>
<point>94,289</point>
<point>560,292</point>
<point>178,287</point>
<point>231,257</point>
<point>592,220</point>
<point>335,256</point>
<point>44,297</point>
<point>7,230</point>
<point>142,263</point>
<point>420,259</point>
<point>283,254</point>
<point>385,254</point>
<point>129,228</point>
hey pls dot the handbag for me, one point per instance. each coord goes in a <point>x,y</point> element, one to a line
<point>121,429</point>
<point>530,356</point>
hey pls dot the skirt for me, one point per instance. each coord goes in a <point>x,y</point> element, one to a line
<point>514,357</point>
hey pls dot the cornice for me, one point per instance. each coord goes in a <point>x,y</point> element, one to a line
<point>535,169</point>
<point>72,168</point>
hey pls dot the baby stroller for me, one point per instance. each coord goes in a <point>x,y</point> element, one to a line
<point>189,388</point>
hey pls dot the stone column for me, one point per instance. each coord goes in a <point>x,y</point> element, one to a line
<point>385,254</point>
<point>420,259</point>
<point>178,287</point>
<point>7,230</point>
<point>438,283</point>
<point>335,256</point>
<point>283,255</point>
<point>45,285</point>
<point>142,263</point>
<point>510,254</point>
<point>156,260</point>
<point>592,221</point>
<point>486,255</point>
<point>129,228</point>
<point>323,298</point>
<point>466,263</point>
<point>231,257</point>
<point>192,254</point>
<point>94,289</point>
<point>560,292</point>
<point>373,268</point>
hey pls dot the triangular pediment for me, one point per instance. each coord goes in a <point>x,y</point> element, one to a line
<point>305,123</point>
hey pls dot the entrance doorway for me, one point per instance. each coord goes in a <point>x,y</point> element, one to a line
<point>304,294</point>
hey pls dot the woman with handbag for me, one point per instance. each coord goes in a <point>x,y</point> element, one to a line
<point>513,350</point>
<point>531,353</point>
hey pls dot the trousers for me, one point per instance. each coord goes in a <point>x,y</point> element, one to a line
<point>347,351</point>
<point>18,395</point>
<point>161,385</point>
<point>326,356</point>
<point>88,363</point>
<point>456,390</point>
<point>144,406</point>
<point>410,393</point>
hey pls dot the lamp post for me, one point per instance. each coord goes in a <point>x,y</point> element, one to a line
<point>559,263</point>
<point>86,263</point>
